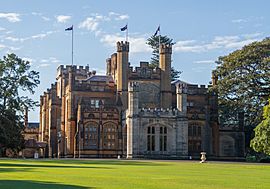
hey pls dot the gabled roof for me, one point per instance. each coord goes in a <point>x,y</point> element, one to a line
<point>102,78</point>
<point>180,81</point>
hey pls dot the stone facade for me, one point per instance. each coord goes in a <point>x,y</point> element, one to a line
<point>132,112</point>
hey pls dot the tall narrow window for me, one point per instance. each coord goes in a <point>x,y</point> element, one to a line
<point>90,136</point>
<point>163,139</point>
<point>109,136</point>
<point>151,139</point>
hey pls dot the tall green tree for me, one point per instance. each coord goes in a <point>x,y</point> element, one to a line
<point>261,141</point>
<point>153,42</point>
<point>244,82</point>
<point>15,77</point>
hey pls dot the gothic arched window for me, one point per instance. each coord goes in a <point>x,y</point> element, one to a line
<point>163,138</point>
<point>109,135</point>
<point>91,135</point>
<point>150,139</point>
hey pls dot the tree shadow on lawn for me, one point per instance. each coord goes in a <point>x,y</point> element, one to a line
<point>21,184</point>
<point>6,170</point>
<point>47,165</point>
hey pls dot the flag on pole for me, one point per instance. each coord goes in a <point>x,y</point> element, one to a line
<point>124,28</point>
<point>157,31</point>
<point>70,28</point>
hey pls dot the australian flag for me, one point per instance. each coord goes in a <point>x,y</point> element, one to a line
<point>124,28</point>
<point>158,30</point>
<point>70,28</point>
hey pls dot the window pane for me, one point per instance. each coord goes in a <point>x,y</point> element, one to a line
<point>149,130</point>
<point>189,131</point>
<point>194,130</point>
<point>165,143</point>
<point>161,130</point>
<point>153,142</point>
<point>96,105</point>
<point>165,130</point>
<point>160,142</point>
<point>153,130</point>
<point>148,142</point>
<point>199,131</point>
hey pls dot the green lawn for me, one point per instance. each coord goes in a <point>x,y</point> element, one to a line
<point>79,174</point>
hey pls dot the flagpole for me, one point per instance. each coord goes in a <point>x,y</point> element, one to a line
<point>72,47</point>
<point>159,38</point>
<point>127,33</point>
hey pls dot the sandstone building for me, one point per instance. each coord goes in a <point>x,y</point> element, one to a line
<point>133,112</point>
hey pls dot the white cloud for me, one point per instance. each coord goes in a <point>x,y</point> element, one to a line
<point>29,60</point>
<point>13,39</point>
<point>137,44</point>
<point>41,15</point>
<point>37,36</point>
<point>122,17</point>
<point>63,18</point>
<point>89,23</point>
<point>2,46</point>
<point>36,13</point>
<point>239,20</point>
<point>14,48</point>
<point>50,59</point>
<point>45,18</point>
<point>118,16</point>
<point>2,29</point>
<point>204,62</point>
<point>11,17</point>
<point>92,23</point>
<point>43,65</point>
<point>219,42</point>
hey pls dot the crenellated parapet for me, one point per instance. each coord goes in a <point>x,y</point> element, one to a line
<point>65,69</point>
<point>144,71</point>
<point>122,46</point>
<point>165,49</point>
<point>161,112</point>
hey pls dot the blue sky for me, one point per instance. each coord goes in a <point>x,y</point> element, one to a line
<point>202,31</point>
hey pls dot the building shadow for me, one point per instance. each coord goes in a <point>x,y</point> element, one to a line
<point>108,162</point>
<point>26,184</point>
<point>47,165</point>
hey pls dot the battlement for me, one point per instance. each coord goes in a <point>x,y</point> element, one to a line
<point>165,49</point>
<point>144,72</point>
<point>64,69</point>
<point>160,112</point>
<point>133,86</point>
<point>122,46</point>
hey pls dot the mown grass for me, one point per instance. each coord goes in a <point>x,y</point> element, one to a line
<point>80,174</point>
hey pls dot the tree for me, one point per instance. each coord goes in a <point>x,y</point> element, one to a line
<point>261,141</point>
<point>15,77</point>
<point>244,82</point>
<point>153,42</point>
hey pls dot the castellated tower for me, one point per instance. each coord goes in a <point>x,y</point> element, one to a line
<point>181,97</point>
<point>165,53</point>
<point>122,71</point>
<point>132,120</point>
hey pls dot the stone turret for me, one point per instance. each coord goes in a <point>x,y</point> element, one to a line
<point>133,96</point>
<point>132,120</point>
<point>109,66</point>
<point>214,79</point>
<point>181,97</point>
<point>122,70</point>
<point>165,53</point>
